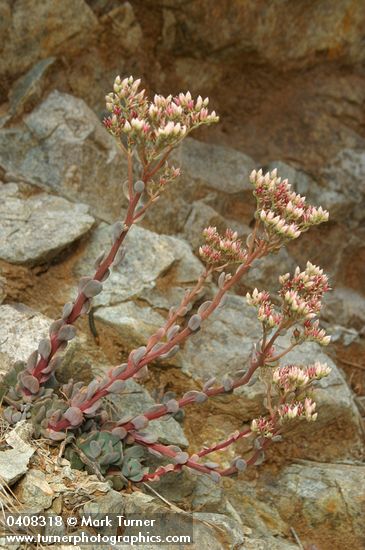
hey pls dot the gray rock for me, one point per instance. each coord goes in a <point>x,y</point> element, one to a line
<point>63,147</point>
<point>14,464</point>
<point>187,268</point>
<point>344,336</point>
<point>201,492</point>
<point>220,168</point>
<point>35,492</point>
<point>201,216</point>
<point>21,328</point>
<point>148,258</point>
<point>4,545</point>
<point>253,509</point>
<point>133,324</point>
<point>224,343</point>
<point>228,533</point>
<point>269,543</point>
<point>345,307</point>
<point>207,495</point>
<point>111,503</point>
<point>34,230</point>
<point>177,487</point>
<point>162,296</point>
<point>122,22</point>
<point>136,400</point>
<point>253,517</point>
<point>212,530</point>
<point>344,186</point>
<point>238,38</point>
<point>28,89</point>
<point>52,529</point>
<point>19,437</point>
<point>218,175</point>
<point>215,531</point>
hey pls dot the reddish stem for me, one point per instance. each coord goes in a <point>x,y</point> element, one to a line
<point>98,276</point>
<point>150,356</point>
<point>193,464</point>
<point>224,444</point>
<point>212,392</point>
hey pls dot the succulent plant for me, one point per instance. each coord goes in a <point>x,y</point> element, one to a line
<point>10,380</point>
<point>103,443</point>
<point>132,465</point>
<point>45,410</point>
<point>103,448</point>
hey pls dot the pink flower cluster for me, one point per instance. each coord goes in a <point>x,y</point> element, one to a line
<point>305,409</point>
<point>293,377</point>
<point>318,370</point>
<point>284,213</point>
<point>221,250</point>
<point>290,378</point>
<point>164,122</point>
<point>263,426</point>
<point>292,401</point>
<point>301,297</point>
<point>267,313</point>
<point>312,333</point>
<point>304,291</point>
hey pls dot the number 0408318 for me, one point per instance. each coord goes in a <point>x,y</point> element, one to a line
<point>23,520</point>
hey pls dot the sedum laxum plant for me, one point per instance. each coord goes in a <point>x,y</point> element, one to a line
<point>75,414</point>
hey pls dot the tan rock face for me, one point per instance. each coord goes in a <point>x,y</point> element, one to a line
<point>2,289</point>
<point>276,32</point>
<point>325,501</point>
<point>28,34</point>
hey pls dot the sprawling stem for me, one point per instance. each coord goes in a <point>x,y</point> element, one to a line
<point>223,444</point>
<point>102,270</point>
<point>262,357</point>
<point>98,275</point>
<point>256,362</point>
<point>192,462</point>
<point>180,310</point>
<point>152,354</point>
